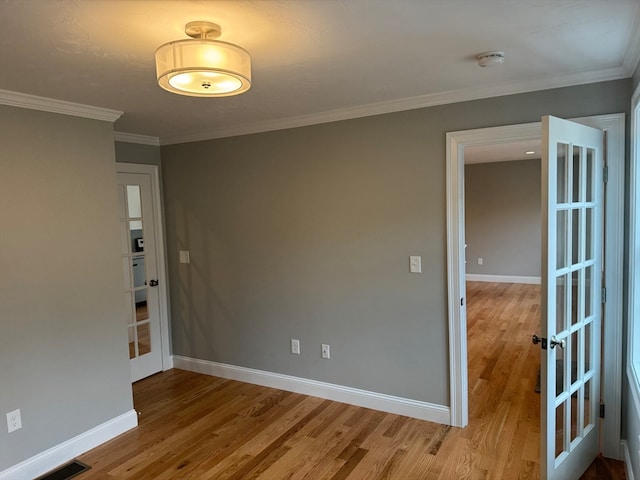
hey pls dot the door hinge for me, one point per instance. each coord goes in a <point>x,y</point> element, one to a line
<point>462,302</point>
<point>602,410</point>
<point>605,174</point>
<point>604,294</point>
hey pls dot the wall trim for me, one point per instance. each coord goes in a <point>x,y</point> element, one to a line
<point>354,396</point>
<point>626,456</point>
<point>33,102</point>
<point>476,277</point>
<point>136,138</point>
<point>403,104</point>
<point>49,459</point>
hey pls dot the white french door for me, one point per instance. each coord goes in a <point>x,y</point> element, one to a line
<point>140,272</point>
<point>572,191</point>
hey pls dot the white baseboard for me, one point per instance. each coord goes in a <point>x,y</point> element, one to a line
<point>627,459</point>
<point>167,363</point>
<point>474,277</point>
<point>60,454</point>
<point>338,393</point>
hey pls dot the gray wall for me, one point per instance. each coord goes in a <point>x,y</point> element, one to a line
<point>502,218</point>
<point>636,76</point>
<point>306,233</point>
<point>137,153</point>
<point>63,343</point>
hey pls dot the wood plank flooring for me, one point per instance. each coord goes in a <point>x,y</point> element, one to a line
<point>193,426</point>
<point>504,409</point>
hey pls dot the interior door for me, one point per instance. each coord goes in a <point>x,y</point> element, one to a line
<point>572,192</point>
<point>139,267</point>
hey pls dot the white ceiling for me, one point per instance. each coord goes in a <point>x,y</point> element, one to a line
<point>503,152</point>
<point>313,60</point>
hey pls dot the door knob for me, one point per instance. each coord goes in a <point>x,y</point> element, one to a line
<point>154,283</point>
<point>560,343</point>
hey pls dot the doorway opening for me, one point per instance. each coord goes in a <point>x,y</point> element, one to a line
<point>502,231</point>
<point>613,125</point>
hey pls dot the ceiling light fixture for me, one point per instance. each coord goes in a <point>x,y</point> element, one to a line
<point>529,152</point>
<point>490,59</point>
<point>202,66</point>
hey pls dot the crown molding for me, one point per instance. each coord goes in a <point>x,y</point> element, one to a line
<point>412,103</point>
<point>632,52</point>
<point>33,102</point>
<point>136,138</point>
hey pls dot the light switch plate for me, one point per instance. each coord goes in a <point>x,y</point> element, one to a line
<point>415,264</point>
<point>184,256</point>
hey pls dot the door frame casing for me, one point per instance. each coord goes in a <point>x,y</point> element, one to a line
<point>158,219</point>
<point>613,125</point>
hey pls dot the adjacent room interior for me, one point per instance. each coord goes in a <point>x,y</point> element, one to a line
<point>502,236</point>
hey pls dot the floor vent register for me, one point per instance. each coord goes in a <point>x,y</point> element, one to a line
<point>65,472</point>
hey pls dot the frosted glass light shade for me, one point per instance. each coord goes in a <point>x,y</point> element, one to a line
<point>203,68</point>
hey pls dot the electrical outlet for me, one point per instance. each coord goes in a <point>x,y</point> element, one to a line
<point>480,261</point>
<point>295,346</point>
<point>326,351</point>
<point>14,421</point>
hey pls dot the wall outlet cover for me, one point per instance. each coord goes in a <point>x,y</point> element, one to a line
<point>14,421</point>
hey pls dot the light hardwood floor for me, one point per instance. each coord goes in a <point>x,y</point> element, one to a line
<point>194,426</point>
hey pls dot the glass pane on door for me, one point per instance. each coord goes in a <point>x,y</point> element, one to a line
<point>562,248</point>
<point>144,339</point>
<point>562,293</point>
<point>590,176</point>
<point>562,175</point>
<point>575,427</point>
<point>560,432</point>
<point>588,419</point>
<point>576,177</point>
<point>134,202</point>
